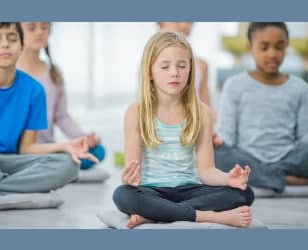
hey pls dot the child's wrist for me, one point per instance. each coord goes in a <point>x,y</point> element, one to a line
<point>227,180</point>
<point>63,147</point>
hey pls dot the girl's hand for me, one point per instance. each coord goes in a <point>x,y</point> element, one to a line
<point>78,148</point>
<point>238,177</point>
<point>217,140</point>
<point>93,140</point>
<point>131,174</point>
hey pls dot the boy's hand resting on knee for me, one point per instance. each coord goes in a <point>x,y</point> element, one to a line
<point>238,177</point>
<point>131,173</point>
<point>78,149</point>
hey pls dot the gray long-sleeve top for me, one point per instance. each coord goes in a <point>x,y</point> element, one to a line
<point>265,120</point>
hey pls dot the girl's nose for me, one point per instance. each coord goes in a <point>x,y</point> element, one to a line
<point>272,53</point>
<point>174,72</point>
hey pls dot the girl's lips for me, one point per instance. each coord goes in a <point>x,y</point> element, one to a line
<point>5,55</point>
<point>173,83</point>
<point>272,64</point>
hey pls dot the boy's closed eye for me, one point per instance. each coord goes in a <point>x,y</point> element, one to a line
<point>12,37</point>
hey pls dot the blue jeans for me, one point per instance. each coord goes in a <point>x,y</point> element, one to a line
<point>266,175</point>
<point>99,152</point>
<point>164,204</point>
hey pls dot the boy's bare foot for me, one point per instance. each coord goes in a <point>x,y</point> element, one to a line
<point>136,220</point>
<point>238,217</point>
<point>294,180</point>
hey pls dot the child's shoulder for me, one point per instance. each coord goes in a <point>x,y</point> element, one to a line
<point>28,82</point>
<point>131,116</point>
<point>237,81</point>
<point>132,110</point>
<point>298,82</point>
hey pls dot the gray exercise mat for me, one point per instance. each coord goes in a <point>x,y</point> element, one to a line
<point>113,218</point>
<point>96,174</point>
<point>290,191</point>
<point>30,201</point>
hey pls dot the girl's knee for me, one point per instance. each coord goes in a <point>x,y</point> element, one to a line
<point>249,196</point>
<point>122,196</point>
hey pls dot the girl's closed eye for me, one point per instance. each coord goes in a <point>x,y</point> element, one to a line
<point>31,26</point>
<point>45,26</point>
<point>280,46</point>
<point>164,66</point>
<point>182,66</point>
<point>263,47</point>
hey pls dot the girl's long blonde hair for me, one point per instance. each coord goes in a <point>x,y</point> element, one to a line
<point>148,98</point>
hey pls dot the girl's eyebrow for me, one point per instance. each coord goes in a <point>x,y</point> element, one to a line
<point>165,61</point>
<point>180,61</point>
<point>265,42</point>
<point>280,42</point>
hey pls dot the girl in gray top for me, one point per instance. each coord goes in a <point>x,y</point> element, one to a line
<point>263,120</point>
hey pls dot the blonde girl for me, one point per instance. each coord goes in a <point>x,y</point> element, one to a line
<point>169,172</point>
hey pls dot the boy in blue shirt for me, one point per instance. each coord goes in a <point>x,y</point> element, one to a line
<point>263,120</point>
<point>26,166</point>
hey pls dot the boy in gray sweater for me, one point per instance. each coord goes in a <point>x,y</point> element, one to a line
<point>263,120</point>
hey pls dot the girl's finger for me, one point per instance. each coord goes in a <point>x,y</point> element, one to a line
<point>247,170</point>
<point>76,159</point>
<point>90,157</point>
<point>128,167</point>
<point>135,175</point>
<point>131,170</point>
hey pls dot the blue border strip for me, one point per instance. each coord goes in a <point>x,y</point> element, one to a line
<point>155,10</point>
<point>153,239</point>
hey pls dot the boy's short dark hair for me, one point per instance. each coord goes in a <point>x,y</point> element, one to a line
<point>18,29</point>
<point>253,27</point>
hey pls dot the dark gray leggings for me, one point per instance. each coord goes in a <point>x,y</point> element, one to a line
<point>163,204</point>
<point>270,176</point>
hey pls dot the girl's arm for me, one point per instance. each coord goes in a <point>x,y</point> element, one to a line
<point>133,149</point>
<point>302,117</point>
<point>208,173</point>
<point>204,89</point>
<point>66,123</point>
<point>62,117</point>
<point>77,148</point>
<point>227,122</point>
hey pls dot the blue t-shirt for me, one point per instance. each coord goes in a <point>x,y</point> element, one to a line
<point>22,107</point>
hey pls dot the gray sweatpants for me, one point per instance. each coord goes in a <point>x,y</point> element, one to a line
<point>35,173</point>
<point>270,176</point>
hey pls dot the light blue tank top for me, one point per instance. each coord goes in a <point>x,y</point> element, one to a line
<point>170,164</point>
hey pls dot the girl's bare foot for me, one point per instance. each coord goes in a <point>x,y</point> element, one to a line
<point>294,180</point>
<point>239,217</point>
<point>136,220</point>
